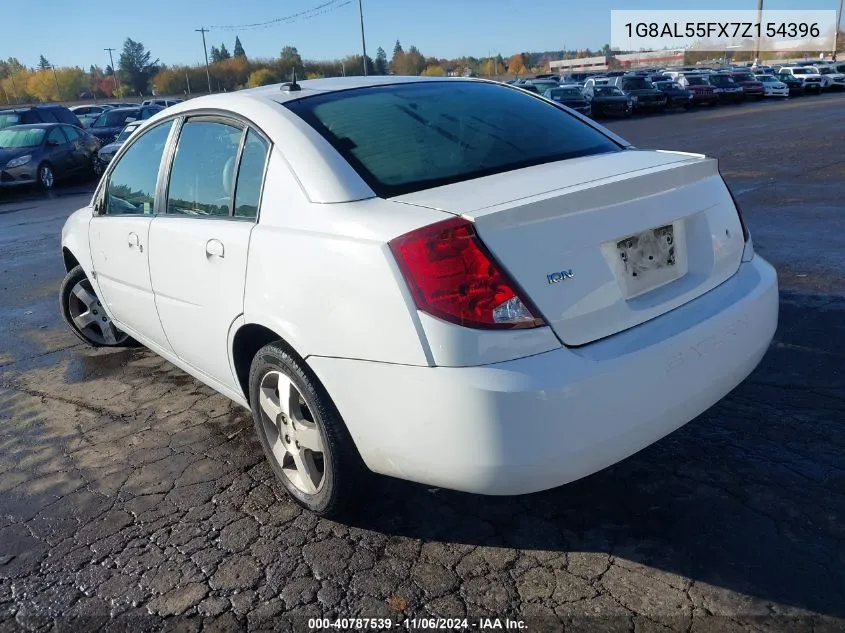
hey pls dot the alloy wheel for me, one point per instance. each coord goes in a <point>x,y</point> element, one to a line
<point>45,177</point>
<point>88,315</point>
<point>292,433</point>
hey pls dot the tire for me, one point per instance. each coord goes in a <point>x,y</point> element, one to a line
<point>324,473</point>
<point>46,177</point>
<point>79,304</point>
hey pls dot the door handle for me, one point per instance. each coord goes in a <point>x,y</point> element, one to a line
<point>135,241</point>
<point>214,248</point>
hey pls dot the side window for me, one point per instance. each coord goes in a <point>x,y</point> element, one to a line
<point>250,176</point>
<point>100,121</point>
<point>71,134</point>
<point>202,178</point>
<point>55,137</point>
<point>132,182</point>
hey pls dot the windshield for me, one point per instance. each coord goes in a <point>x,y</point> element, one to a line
<point>827,71</point>
<point>697,81</point>
<point>558,94</point>
<point>608,91</point>
<point>408,137</point>
<point>16,139</point>
<point>666,85</point>
<point>766,79</point>
<point>743,77</point>
<point>636,83</point>
<point>7,120</point>
<point>125,133</point>
<point>804,71</point>
<point>721,80</point>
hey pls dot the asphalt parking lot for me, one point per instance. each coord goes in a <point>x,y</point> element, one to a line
<point>130,493</point>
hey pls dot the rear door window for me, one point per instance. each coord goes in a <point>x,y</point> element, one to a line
<point>250,176</point>
<point>414,136</point>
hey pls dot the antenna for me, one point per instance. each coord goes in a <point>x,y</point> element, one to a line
<point>291,86</point>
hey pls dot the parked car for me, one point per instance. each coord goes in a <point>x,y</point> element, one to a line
<point>676,95</point>
<point>541,84</point>
<point>27,115</point>
<point>725,87</point>
<point>644,96</point>
<point>570,96</point>
<point>795,85</point>
<point>43,153</point>
<point>526,86</point>
<point>751,86</point>
<point>89,109</point>
<point>607,100</point>
<point>109,124</point>
<point>107,152</point>
<point>773,86</point>
<point>699,85</point>
<point>472,292</point>
<point>832,79</point>
<point>810,77</point>
<point>164,103</point>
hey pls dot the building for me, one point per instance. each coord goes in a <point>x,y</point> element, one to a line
<point>585,64</point>
<point>660,59</point>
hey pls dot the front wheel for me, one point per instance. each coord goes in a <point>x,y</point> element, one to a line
<point>46,178</point>
<point>83,312</point>
<point>302,433</point>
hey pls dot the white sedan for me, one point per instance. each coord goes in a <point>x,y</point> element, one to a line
<point>772,86</point>
<point>449,281</point>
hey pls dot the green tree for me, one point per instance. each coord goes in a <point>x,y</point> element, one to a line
<point>290,60</point>
<point>136,67</point>
<point>224,53</point>
<point>381,61</point>
<point>239,49</point>
<point>215,54</point>
<point>396,62</point>
<point>43,64</point>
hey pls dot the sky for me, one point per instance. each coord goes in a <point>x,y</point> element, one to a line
<point>75,34</point>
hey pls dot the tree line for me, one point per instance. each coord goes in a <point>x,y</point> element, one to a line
<point>138,73</point>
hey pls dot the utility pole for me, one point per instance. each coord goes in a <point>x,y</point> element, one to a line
<point>363,41</point>
<point>204,30</point>
<point>757,40</point>
<point>188,81</point>
<point>114,79</point>
<point>836,31</point>
<point>56,79</point>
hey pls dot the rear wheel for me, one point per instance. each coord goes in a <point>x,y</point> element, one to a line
<point>85,315</point>
<point>302,433</point>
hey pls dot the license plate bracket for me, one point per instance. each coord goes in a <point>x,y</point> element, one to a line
<point>650,259</point>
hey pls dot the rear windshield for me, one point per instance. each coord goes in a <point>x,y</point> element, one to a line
<point>636,83</point>
<point>414,136</point>
<point>696,81</point>
<point>115,118</point>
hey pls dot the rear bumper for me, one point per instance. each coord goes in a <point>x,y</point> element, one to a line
<point>535,423</point>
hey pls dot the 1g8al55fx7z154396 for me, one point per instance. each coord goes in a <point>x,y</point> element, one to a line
<point>365,264</point>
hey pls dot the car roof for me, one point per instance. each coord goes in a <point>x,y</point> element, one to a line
<point>37,126</point>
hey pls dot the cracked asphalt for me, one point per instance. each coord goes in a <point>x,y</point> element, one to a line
<point>134,498</point>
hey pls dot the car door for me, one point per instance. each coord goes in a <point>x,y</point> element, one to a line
<point>201,241</point>
<point>80,154</point>
<point>119,234</point>
<point>59,153</point>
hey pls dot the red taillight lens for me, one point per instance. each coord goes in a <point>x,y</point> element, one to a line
<point>452,276</point>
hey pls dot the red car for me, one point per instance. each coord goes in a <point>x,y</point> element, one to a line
<point>699,86</point>
<point>750,86</point>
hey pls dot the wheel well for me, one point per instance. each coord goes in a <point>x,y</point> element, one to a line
<point>248,340</point>
<point>70,260</point>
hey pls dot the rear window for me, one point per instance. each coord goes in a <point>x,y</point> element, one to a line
<point>66,116</point>
<point>414,136</point>
<point>636,83</point>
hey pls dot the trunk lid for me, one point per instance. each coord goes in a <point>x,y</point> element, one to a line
<point>573,233</point>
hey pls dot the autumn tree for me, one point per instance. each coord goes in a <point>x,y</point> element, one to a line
<point>381,61</point>
<point>434,71</point>
<point>239,49</point>
<point>516,64</point>
<point>136,65</point>
<point>261,77</point>
<point>396,60</point>
<point>43,84</point>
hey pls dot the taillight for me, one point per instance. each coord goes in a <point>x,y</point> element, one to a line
<point>452,276</point>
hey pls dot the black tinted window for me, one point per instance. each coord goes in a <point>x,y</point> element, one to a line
<point>71,134</point>
<point>408,137</point>
<point>203,174</point>
<point>47,116</point>
<point>65,116</point>
<point>132,184</point>
<point>250,176</point>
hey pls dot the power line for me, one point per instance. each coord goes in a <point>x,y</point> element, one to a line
<point>288,18</point>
